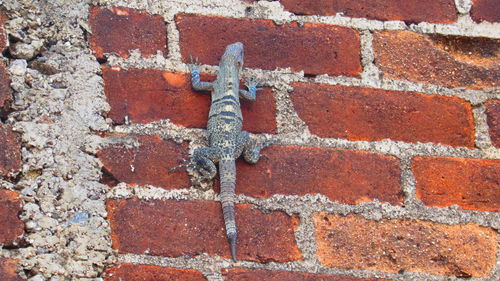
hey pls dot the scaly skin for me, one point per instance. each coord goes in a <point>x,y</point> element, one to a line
<point>226,139</point>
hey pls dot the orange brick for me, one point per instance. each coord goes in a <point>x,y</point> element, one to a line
<point>270,46</point>
<point>349,177</point>
<point>472,184</point>
<point>452,61</point>
<point>8,270</point>
<point>353,242</point>
<point>438,11</point>
<point>10,151</point>
<point>146,95</point>
<point>188,228</point>
<point>493,113</point>
<point>357,113</point>
<point>240,274</point>
<point>11,227</point>
<point>120,30</point>
<point>133,272</point>
<point>485,10</point>
<point>147,164</point>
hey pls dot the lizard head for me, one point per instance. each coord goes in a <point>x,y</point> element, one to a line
<point>234,54</point>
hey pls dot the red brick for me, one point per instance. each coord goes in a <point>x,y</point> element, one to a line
<point>11,227</point>
<point>313,48</point>
<point>452,61</point>
<point>472,184</point>
<point>438,11</point>
<point>10,152</point>
<point>180,228</point>
<point>5,91</point>
<point>149,163</point>
<point>240,274</point>
<point>493,113</point>
<point>8,270</point>
<point>120,30</point>
<point>349,177</point>
<point>357,113</point>
<point>485,10</point>
<point>146,95</point>
<point>133,272</point>
<point>3,37</point>
<point>353,242</point>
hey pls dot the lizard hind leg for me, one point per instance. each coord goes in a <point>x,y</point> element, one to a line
<point>250,150</point>
<point>203,161</point>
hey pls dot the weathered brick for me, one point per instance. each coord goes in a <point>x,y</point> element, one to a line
<point>148,163</point>
<point>452,61</point>
<point>349,177</point>
<point>11,227</point>
<point>10,152</point>
<point>5,91</point>
<point>134,272</point>
<point>179,228</point>
<point>3,37</point>
<point>313,48</point>
<point>8,270</point>
<point>472,184</point>
<point>485,10</point>
<point>397,245</point>
<point>438,11</point>
<point>493,113</point>
<point>146,95</point>
<point>120,30</point>
<point>240,274</point>
<point>357,113</point>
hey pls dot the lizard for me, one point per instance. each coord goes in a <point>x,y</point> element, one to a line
<point>227,141</point>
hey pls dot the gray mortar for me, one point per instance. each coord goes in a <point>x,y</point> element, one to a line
<point>57,115</point>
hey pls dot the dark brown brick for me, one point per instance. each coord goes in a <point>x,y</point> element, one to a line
<point>135,272</point>
<point>5,91</point>
<point>149,163</point>
<point>10,152</point>
<point>493,113</point>
<point>452,61</point>
<point>11,227</point>
<point>146,95</point>
<point>240,274</point>
<point>357,113</point>
<point>120,30</point>
<point>3,38</point>
<point>472,184</point>
<point>180,228</point>
<point>313,48</point>
<point>396,245</point>
<point>349,177</point>
<point>485,10</point>
<point>438,11</point>
<point>8,270</point>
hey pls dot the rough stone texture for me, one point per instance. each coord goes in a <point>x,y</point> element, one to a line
<point>357,113</point>
<point>120,30</point>
<point>269,46</point>
<point>5,91</point>
<point>485,10</point>
<point>147,163</point>
<point>240,274</point>
<point>11,227</point>
<point>188,228</point>
<point>472,184</point>
<point>10,151</point>
<point>452,61</point>
<point>493,113</point>
<point>8,270</point>
<point>439,11</point>
<point>349,177</point>
<point>146,95</point>
<point>132,272</point>
<point>353,242</point>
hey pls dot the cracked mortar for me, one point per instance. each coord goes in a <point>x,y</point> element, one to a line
<point>59,101</point>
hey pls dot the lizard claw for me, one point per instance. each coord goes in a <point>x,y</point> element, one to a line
<point>193,63</point>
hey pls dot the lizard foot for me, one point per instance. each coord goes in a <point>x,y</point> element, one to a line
<point>252,83</point>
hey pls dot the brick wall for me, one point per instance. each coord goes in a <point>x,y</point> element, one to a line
<point>385,118</point>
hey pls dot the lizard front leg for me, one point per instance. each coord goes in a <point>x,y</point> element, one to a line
<point>198,85</point>
<point>251,94</point>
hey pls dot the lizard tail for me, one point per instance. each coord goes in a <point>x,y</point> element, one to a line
<point>227,171</point>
